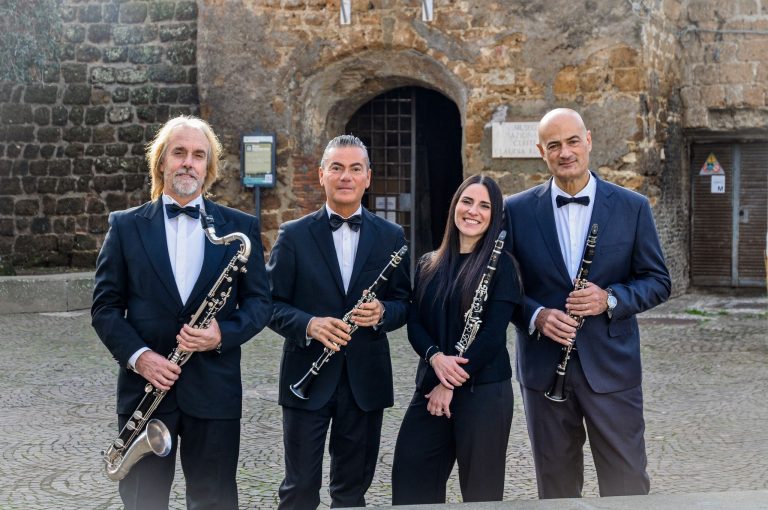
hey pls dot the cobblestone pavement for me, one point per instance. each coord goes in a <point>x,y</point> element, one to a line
<point>705,359</point>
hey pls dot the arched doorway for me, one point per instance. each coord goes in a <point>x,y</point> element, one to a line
<point>413,136</point>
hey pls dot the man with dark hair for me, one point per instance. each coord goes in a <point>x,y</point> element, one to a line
<point>548,225</point>
<point>153,272</point>
<point>318,269</point>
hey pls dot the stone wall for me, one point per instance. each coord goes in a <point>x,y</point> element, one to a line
<point>72,143</point>
<point>648,76</point>
<point>725,77</point>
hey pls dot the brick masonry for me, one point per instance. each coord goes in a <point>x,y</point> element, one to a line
<point>648,76</point>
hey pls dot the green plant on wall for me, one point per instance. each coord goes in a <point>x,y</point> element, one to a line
<point>30,32</point>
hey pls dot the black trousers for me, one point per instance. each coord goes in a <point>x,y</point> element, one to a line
<point>476,436</point>
<point>209,452</point>
<point>558,431</point>
<point>354,449</point>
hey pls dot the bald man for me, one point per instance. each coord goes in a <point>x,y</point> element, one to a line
<point>548,225</point>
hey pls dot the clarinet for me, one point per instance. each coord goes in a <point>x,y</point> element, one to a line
<point>301,388</point>
<point>556,392</point>
<point>142,435</point>
<point>473,316</point>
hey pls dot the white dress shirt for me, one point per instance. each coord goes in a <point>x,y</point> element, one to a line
<point>345,240</point>
<point>572,224</point>
<point>185,241</point>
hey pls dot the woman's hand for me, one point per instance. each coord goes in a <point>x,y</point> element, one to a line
<point>439,401</point>
<point>449,371</point>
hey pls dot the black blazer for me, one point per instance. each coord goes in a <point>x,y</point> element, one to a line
<point>305,280</point>
<point>136,304</point>
<point>628,258</point>
<point>433,322</point>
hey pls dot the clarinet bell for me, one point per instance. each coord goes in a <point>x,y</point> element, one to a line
<point>557,392</point>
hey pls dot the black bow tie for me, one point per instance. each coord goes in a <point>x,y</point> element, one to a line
<point>173,210</point>
<point>337,221</point>
<point>560,200</point>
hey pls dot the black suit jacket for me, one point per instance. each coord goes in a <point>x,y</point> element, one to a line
<point>628,258</point>
<point>136,304</point>
<point>305,280</point>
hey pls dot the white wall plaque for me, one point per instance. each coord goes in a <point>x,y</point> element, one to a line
<point>514,140</point>
<point>718,184</point>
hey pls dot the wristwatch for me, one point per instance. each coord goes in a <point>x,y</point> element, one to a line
<point>611,301</point>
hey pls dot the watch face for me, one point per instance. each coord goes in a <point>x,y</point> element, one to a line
<point>611,302</point>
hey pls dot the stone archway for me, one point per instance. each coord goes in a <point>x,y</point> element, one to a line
<point>331,96</point>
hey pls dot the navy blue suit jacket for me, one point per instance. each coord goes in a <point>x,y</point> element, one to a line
<point>628,259</point>
<point>136,304</point>
<point>305,279</point>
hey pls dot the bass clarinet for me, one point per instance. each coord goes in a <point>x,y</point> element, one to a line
<point>556,392</point>
<point>142,435</point>
<point>301,388</point>
<point>473,316</point>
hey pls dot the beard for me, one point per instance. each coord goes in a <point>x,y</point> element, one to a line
<point>185,187</point>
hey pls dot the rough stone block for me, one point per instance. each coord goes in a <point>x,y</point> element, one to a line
<point>6,205</point>
<point>116,201</point>
<point>103,134</point>
<point>94,206</point>
<point>51,72</point>
<point>49,134</point>
<point>73,34</point>
<point>40,226</point>
<point>42,116</point>
<point>145,113</point>
<point>115,54</point>
<point>116,149</point>
<point>20,168</point>
<point>31,151</point>
<point>15,113</point>
<point>88,53</point>
<point>76,134</point>
<point>167,95</point>
<point>629,80</point>
<point>102,75</point>
<point>95,149</point>
<point>118,114</point>
<point>59,167</point>
<point>145,54</point>
<point>186,11</point>
<point>10,185</point>
<point>176,32</point>
<point>134,34</point>
<point>46,185</point>
<point>74,150</point>
<point>66,185</point>
<point>70,205</point>
<point>144,95</point>
<point>130,134</point>
<point>133,12</point>
<point>13,150</point>
<point>99,33</point>
<point>182,53</point>
<point>95,114</point>
<point>108,183</point>
<point>106,165</point>
<point>120,95</point>
<point>135,182</point>
<point>20,134</point>
<point>6,226</point>
<point>84,186</point>
<point>45,94</point>
<point>111,13</point>
<point>89,13</point>
<point>29,184</point>
<point>76,115</point>
<point>167,73</point>
<point>38,168</point>
<point>77,94</point>
<point>59,115</point>
<point>26,207</point>
<point>66,52</point>
<point>82,166</point>
<point>74,73</point>
<point>131,75</point>
<point>47,151</point>
<point>161,11</point>
<point>98,224</point>
<point>566,82</point>
<point>68,13</point>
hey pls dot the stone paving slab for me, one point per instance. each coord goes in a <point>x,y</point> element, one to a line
<point>705,359</point>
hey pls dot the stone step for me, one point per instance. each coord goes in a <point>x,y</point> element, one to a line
<point>46,293</point>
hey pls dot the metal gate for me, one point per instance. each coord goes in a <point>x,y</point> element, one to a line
<point>729,220</point>
<point>387,126</point>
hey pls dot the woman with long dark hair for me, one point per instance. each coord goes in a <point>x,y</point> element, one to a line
<point>461,410</point>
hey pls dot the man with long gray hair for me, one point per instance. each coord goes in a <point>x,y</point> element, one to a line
<point>153,272</point>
